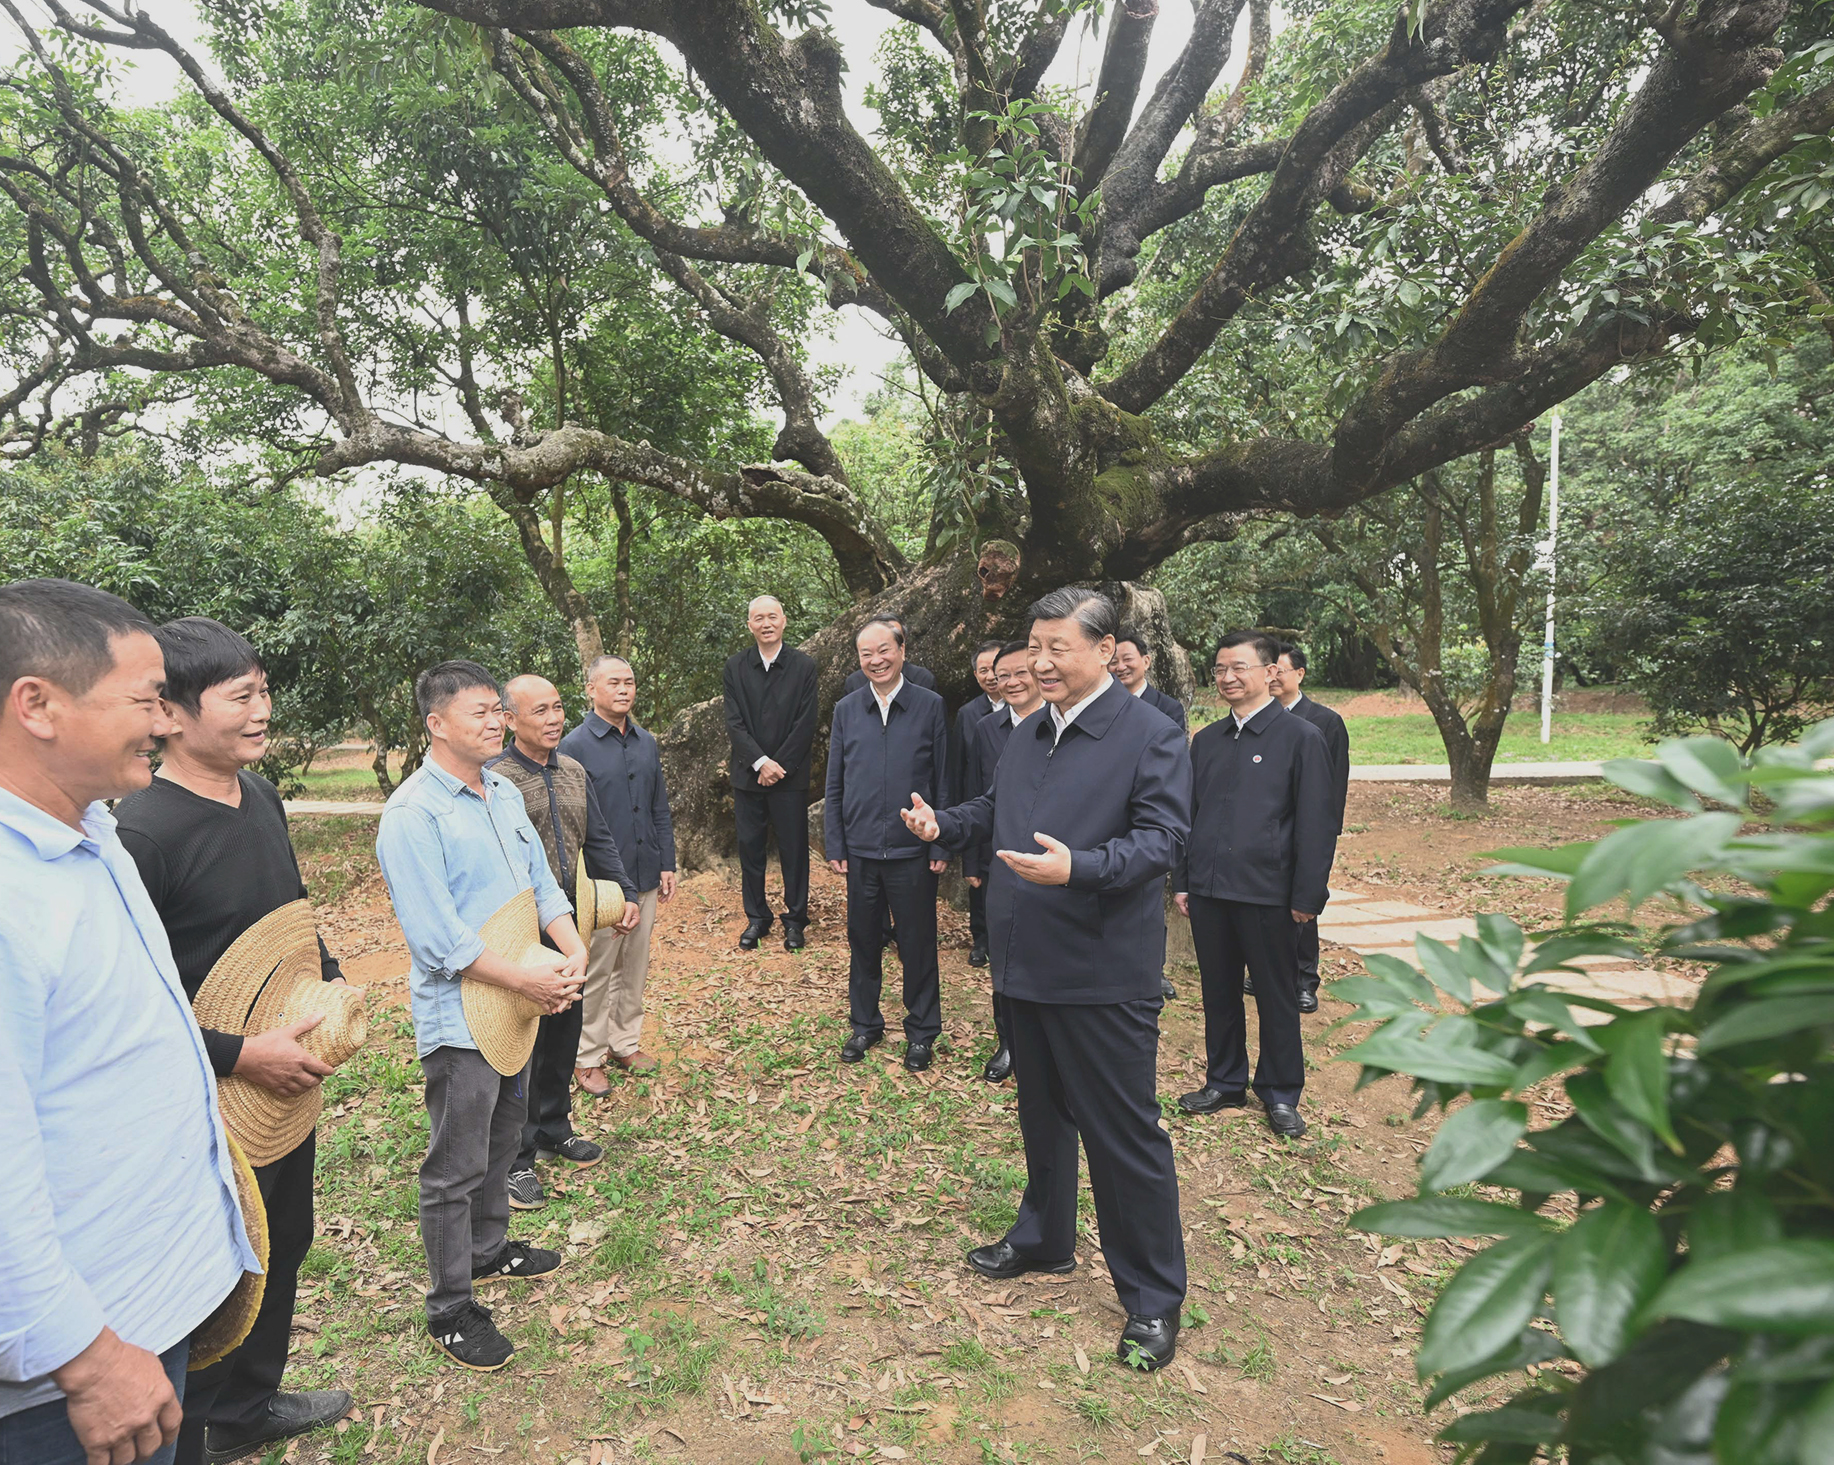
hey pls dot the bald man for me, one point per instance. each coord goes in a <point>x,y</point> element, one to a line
<point>770,715</point>
<point>565,811</point>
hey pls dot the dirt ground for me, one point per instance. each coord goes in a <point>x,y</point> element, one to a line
<point>768,1264</point>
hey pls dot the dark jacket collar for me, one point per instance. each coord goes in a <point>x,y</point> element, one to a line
<point>1095,719</point>
<point>598,727</point>
<point>1260,717</point>
<point>515,751</point>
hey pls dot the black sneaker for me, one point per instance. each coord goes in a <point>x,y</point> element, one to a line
<point>468,1336</point>
<point>525,1193</point>
<point>517,1259</point>
<point>575,1151</point>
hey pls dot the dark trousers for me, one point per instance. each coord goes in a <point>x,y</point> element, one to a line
<point>786,810</point>
<point>42,1434</point>
<point>977,912</point>
<point>907,890</point>
<point>1002,1020</point>
<point>550,1110</point>
<point>1308,955</point>
<point>233,1392</point>
<point>1230,935</point>
<point>476,1116</point>
<point>1091,1071</point>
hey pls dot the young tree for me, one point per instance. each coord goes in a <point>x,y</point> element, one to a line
<point>1484,205</point>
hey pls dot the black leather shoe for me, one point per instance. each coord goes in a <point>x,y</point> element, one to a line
<point>287,1415</point>
<point>1209,1099</point>
<point>793,937</point>
<point>917,1056</point>
<point>978,955</point>
<point>854,1049</point>
<point>1148,1343</point>
<point>753,933</point>
<point>1284,1119</point>
<point>1248,986</point>
<point>1000,1260</point>
<point>999,1067</point>
<point>1166,989</point>
<point>1308,999</point>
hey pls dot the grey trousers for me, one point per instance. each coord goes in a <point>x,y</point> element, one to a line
<point>476,1115</point>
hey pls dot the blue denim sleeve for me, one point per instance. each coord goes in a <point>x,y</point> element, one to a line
<point>413,864</point>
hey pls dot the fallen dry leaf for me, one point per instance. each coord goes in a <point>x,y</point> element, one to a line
<point>433,1449</point>
<point>1082,1360</point>
<point>1192,1379</point>
<point>1200,1443</point>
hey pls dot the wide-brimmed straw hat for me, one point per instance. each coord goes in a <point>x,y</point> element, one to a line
<point>223,1331</point>
<point>598,904</point>
<point>503,1022</point>
<point>269,978</point>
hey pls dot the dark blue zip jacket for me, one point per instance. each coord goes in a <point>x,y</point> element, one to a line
<point>875,766</point>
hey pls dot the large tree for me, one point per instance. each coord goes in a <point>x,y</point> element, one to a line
<point>1474,207</point>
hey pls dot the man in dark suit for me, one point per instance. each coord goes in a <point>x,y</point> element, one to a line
<point>1258,860</point>
<point>1101,785</point>
<point>1020,698</point>
<point>888,739</point>
<point>920,676</point>
<point>770,715</point>
<point>1133,660</point>
<point>1285,678</point>
<point>961,748</point>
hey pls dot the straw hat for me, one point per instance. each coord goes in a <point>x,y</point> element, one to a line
<point>223,1331</point>
<point>269,978</point>
<point>503,1022</point>
<point>599,903</point>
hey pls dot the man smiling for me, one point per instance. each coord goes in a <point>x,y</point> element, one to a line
<point>1102,783</point>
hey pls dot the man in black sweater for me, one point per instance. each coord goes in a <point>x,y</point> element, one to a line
<point>888,740</point>
<point>1285,678</point>
<point>770,715</point>
<point>210,839</point>
<point>961,749</point>
<point>1102,786</point>
<point>1258,861</point>
<point>1020,698</point>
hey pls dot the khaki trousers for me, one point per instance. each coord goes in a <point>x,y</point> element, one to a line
<point>611,1002</point>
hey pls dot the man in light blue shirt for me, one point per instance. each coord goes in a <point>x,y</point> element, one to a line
<point>455,845</point>
<point>121,1232</point>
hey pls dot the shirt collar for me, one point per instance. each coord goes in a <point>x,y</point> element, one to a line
<point>769,661</point>
<point>515,751</point>
<point>1061,719</point>
<point>1143,686</point>
<point>890,697</point>
<point>453,784</point>
<point>1254,721</point>
<point>1016,717</point>
<point>600,727</point>
<point>49,835</point>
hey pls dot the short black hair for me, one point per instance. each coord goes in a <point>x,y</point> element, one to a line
<point>984,648</point>
<point>1265,646</point>
<point>892,623</point>
<point>200,654</point>
<point>438,685</point>
<point>605,656</point>
<point>1138,637</point>
<point>1011,648</point>
<point>1093,611</point>
<point>1294,653</point>
<point>63,632</point>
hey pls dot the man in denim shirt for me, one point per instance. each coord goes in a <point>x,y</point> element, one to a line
<point>455,844</point>
<point>120,1233</point>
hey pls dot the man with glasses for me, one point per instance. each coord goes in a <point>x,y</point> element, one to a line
<point>1285,679</point>
<point>1258,861</point>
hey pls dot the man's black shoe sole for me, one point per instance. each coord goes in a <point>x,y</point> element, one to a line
<point>1006,1274</point>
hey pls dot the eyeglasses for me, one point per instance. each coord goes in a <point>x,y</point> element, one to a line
<point>1237,668</point>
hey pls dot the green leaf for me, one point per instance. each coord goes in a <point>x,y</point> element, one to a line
<point>1557,951</point>
<point>1473,1142</point>
<point>1637,1075</point>
<point>1002,292</point>
<point>1606,1268</point>
<point>1544,1005</point>
<point>1503,939</point>
<point>1397,973</point>
<point>1480,964</point>
<point>1487,1303</point>
<point>1815,1428</point>
<point>1443,967</point>
<point>1446,1215</point>
<point>1728,1221</point>
<point>1785,1287</point>
<point>1611,1122</point>
<point>1641,859</point>
<point>1755,1021</point>
<point>1425,1058</point>
<point>958,294</point>
<point>1513,1423</point>
<point>1372,999</point>
<point>1556,1058</point>
<point>1709,766</point>
<point>1534,1173</point>
<point>1653,781</point>
<point>1562,860</point>
<point>1530,1347</point>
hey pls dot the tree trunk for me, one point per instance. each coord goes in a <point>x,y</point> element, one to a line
<point>620,502</point>
<point>1471,762</point>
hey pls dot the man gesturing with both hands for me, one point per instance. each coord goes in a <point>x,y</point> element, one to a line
<point>1087,811</point>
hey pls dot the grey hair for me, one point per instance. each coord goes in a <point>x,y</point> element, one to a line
<point>758,600</point>
<point>1090,609</point>
<point>600,660</point>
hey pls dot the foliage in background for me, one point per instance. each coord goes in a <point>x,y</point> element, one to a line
<point>1687,1314</point>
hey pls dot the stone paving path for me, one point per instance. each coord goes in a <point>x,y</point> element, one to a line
<point>1369,924</point>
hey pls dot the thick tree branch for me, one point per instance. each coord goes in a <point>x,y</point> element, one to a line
<point>1750,150</point>
<point>1117,88</point>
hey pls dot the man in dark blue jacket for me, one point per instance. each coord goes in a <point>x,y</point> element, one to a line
<point>888,740</point>
<point>961,749</point>
<point>1101,784</point>
<point>1258,860</point>
<point>1020,698</point>
<point>1133,661</point>
<point>1285,678</point>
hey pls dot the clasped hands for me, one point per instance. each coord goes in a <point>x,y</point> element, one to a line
<point>553,981</point>
<point>1050,868</point>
